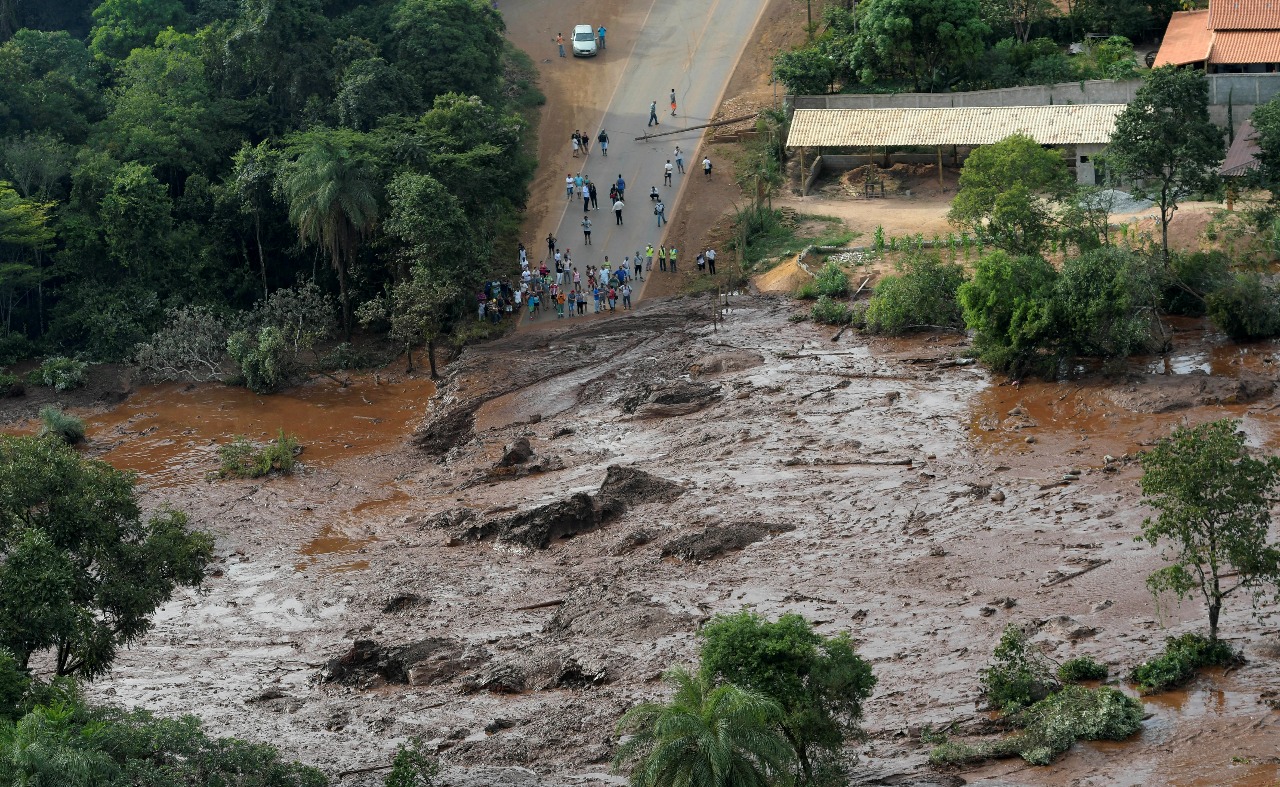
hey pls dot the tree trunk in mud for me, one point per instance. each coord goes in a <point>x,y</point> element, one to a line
<point>408,354</point>
<point>431,358</point>
<point>1214,609</point>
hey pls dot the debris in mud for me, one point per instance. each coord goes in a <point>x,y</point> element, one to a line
<point>1066,627</point>
<point>633,540</point>
<point>602,610</point>
<point>670,398</point>
<point>1170,393</point>
<point>448,429</point>
<point>402,601</point>
<point>538,527</point>
<point>517,453</point>
<point>422,663</point>
<point>539,670</point>
<point>728,361</point>
<point>715,540</point>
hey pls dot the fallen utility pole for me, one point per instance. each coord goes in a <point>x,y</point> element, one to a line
<point>695,128</point>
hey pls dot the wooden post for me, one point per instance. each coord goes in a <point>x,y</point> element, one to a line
<point>939,169</point>
<point>804,183</point>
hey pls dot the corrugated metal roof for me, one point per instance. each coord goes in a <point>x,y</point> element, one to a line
<point>1060,124</point>
<point>1242,156</point>
<point>1245,46</point>
<point>1186,40</point>
<point>1244,14</point>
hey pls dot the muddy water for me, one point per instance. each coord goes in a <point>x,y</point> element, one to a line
<point>169,433</point>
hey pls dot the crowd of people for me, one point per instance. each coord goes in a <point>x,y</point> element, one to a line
<point>556,285</point>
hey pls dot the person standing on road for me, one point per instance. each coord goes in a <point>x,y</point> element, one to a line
<point>626,296</point>
<point>600,34</point>
<point>648,258</point>
<point>603,139</point>
<point>662,258</point>
<point>622,186</point>
<point>679,160</point>
<point>673,102</point>
<point>653,113</point>
<point>560,43</point>
<point>639,264</point>
<point>666,173</point>
<point>586,230</point>
<point>586,143</point>
<point>582,303</point>
<point>568,186</point>
<point>706,167</point>
<point>576,141</point>
<point>711,261</point>
<point>672,256</point>
<point>595,202</point>
<point>660,210</point>
<point>617,210</point>
<point>551,244</point>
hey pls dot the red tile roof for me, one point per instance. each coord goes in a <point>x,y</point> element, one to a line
<point>1246,46</point>
<point>1244,14</point>
<point>1187,40</point>
<point>1242,156</point>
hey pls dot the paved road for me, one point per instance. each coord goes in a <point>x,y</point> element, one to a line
<point>691,46</point>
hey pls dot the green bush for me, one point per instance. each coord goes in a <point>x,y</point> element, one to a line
<point>242,458</point>
<point>263,358</point>
<point>11,385</point>
<point>831,312</point>
<point>832,281</point>
<point>1181,658</point>
<point>1018,674</point>
<point>1081,669</point>
<point>921,296</point>
<point>1192,277</point>
<point>1106,301</point>
<point>1245,308</point>
<point>1050,726</point>
<point>1009,305</point>
<point>59,373</point>
<point>65,427</point>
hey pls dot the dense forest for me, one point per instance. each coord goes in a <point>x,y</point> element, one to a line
<point>183,162</point>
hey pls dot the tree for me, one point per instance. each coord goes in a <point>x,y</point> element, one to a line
<point>121,26</point>
<point>43,749</point>
<point>332,199</point>
<point>1106,303</point>
<point>1165,139</point>
<point>706,736</point>
<point>1018,15</point>
<point>921,296</point>
<point>806,70</point>
<point>81,571</point>
<point>1266,122</point>
<point>415,310</point>
<point>1214,510</point>
<point>818,682</point>
<point>370,90</point>
<point>923,42</point>
<point>1009,305</point>
<point>192,345</point>
<point>429,227</point>
<point>252,176</point>
<point>449,46</point>
<point>1006,191</point>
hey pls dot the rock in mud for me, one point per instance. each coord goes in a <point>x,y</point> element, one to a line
<point>400,602</point>
<point>422,663</point>
<point>728,361</point>
<point>715,540</point>
<point>517,453</point>
<point>539,670</point>
<point>445,430</point>
<point>602,610</point>
<point>671,398</point>
<point>537,528</point>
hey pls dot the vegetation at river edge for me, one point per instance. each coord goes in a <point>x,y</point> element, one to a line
<point>168,167</point>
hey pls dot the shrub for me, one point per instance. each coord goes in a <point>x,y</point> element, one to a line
<point>10,385</point>
<point>1081,669</point>
<point>59,373</point>
<point>1050,726</point>
<point>1181,658</point>
<point>1106,300</point>
<point>1009,304</point>
<point>1018,674</point>
<point>242,458</point>
<point>1245,308</point>
<point>192,345</point>
<point>831,312</point>
<point>1192,277</point>
<point>832,281</point>
<point>262,357</point>
<point>921,296</point>
<point>66,428</point>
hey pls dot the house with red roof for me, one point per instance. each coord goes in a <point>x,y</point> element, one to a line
<point>1229,37</point>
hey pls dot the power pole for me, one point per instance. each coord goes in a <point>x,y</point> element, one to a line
<point>808,7</point>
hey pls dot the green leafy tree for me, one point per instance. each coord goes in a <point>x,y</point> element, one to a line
<point>137,217</point>
<point>38,163</point>
<point>1106,302</point>
<point>262,357</point>
<point>1165,139</point>
<point>705,736</point>
<point>370,90</point>
<point>81,570</point>
<point>412,767</point>
<point>1213,502</point>
<point>120,26</point>
<point>1266,122</point>
<point>429,227</point>
<point>921,296</point>
<point>279,51</point>
<point>44,749</point>
<point>252,179</point>
<point>1245,308</point>
<point>819,682</point>
<point>333,199</point>
<point>1018,16</point>
<point>1007,190</point>
<point>1009,304</point>
<point>48,82</point>
<point>449,46</point>
<point>805,70</point>
<point>416,311</point>
<point>925,43</point>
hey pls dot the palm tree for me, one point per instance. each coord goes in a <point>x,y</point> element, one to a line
<point>706,736</point>
<point>332,201</point>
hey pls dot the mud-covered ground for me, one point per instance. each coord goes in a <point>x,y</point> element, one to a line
<point>506,603</point>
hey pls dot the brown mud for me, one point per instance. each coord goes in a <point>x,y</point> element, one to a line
<point>871,485</point>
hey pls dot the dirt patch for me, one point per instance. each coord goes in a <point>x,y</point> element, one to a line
<point>784,278</point>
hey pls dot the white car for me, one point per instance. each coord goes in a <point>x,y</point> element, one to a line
<point>584,41</point>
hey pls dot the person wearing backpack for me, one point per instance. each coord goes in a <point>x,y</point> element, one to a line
<point>603,139</point>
